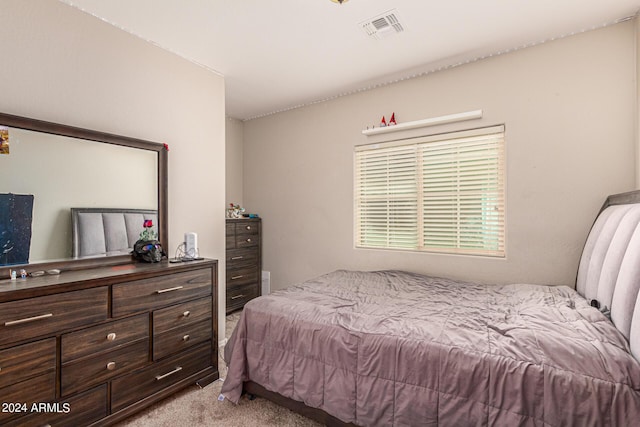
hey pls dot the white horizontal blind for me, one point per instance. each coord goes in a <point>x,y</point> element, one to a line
<point>441,193</point>
<point>387,195</point>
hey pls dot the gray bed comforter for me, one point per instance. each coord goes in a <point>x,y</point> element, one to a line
<point>394,348</point>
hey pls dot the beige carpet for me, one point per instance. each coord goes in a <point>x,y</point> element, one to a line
<point>200,407</point>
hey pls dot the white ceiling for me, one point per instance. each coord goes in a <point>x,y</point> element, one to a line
<point>278,55</point>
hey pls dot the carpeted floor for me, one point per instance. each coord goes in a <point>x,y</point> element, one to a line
<point>200,407</point>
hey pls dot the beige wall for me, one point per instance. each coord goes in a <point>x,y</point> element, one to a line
<point>61,65</point>
<point>569,107</point>
<point>234,160</point>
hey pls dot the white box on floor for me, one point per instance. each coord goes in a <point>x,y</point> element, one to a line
<point>266,283</point>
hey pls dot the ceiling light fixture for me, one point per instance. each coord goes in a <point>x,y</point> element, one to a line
<point>340,1</point>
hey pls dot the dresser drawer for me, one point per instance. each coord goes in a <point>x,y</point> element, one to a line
<point>79,410</point>
<point>104,337</point>
<point>238,258</point>
<point>241,276</point>
<point>181,314</point>
<point>231,236</point>
<point>247,227</point>
<point>230,229</point>
<point>24,361</point>
<point>178,339</point>
<point>238,297</point>
<point>94,370</point>
<point>247,240</point>
<point>33,317</point>
<point>35,390</point>
<point>133,387</point>
<point>143,295</point>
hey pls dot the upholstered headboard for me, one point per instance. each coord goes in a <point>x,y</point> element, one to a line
<point>107,231</point>
<point>609,270</point>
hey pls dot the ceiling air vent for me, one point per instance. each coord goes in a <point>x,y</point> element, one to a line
<point>383,25</point>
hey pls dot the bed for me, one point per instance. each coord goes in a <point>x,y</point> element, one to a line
<point>397,348</point>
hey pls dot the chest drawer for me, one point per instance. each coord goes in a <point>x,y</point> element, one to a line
<point>142,295</point>
<point>239,296</point>
<point>179,338</point>
<point>241,276</point>
<point>242,233</point>
<point>181,314</point>
<point>238,258</point>
<point>247,227</point>
<point>247,240</point>
<point>133,387</point>
<point>80,374</point>
<point>24,361</point>
<point>104,337</point>
<point>231,235</point>
<point>33,317</point>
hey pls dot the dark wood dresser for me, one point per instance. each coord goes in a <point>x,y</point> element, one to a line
<point>244,261</point>
<point>91,347</point>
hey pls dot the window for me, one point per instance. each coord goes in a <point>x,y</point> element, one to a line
<point>441,193</point>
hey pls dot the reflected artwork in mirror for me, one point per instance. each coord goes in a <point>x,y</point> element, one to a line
<point>48,169</point>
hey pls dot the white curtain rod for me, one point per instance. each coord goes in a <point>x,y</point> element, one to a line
<point>450,118</point>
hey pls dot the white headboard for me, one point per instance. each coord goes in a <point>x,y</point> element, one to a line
<point>609,270</point>
<point>107,231</point>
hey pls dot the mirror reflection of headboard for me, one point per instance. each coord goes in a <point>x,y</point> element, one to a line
<point>80,170</point>
<point>108,231</point>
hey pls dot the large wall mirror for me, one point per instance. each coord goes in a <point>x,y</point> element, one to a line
<point>48,169</point>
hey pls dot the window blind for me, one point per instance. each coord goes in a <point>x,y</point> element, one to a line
<point>442,193</point>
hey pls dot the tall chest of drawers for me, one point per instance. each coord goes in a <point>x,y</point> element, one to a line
<point>244,261</point>
<point>91,347</point>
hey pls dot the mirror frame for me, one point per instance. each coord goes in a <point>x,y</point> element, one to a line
<point>106,138</point>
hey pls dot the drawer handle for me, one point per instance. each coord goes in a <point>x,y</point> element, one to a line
<point>237,296</point>
<point>186,313</point>
<point>111,366</point>
<point>248,227</point>
<point>233,258</point>
<point>236,277</point>
<point>28,319</point>
<point>175,371</point>
<point>111,336</point>
<point>185,338</point>
<point>162,291</point>
<point>248,240</point>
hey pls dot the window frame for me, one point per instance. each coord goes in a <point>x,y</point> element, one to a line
<point>483,232</point>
